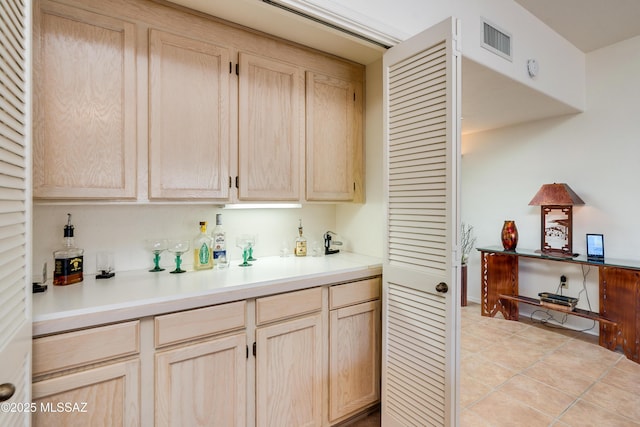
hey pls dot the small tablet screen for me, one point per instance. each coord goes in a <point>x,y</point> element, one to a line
<point>595,246</point>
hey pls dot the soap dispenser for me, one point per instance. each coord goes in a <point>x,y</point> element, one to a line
<point>68,259</point>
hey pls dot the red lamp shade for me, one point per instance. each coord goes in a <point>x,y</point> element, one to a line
<point>556,195</point>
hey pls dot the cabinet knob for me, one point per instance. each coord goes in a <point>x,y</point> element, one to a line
<point>6,391</point>
<point>442,288</point>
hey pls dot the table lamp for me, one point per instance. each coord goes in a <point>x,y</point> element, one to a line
<point>556,215</point>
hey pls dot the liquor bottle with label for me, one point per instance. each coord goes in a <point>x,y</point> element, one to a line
<point>68,259</point>
<point>219,244</point>
<point>202,249</point>
<point>301,243</point>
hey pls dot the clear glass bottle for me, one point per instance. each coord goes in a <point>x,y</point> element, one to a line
<point>219,244</point>
<point>68,259</point>
<point>202,249</point>
<point>301,243</point>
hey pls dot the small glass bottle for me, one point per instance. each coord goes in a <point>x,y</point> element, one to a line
<point>301,243</point>
<point>219,244</point>
<point>202,249</point>
<point>68,259</point>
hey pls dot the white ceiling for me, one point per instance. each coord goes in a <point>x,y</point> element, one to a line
<point>490,100</point>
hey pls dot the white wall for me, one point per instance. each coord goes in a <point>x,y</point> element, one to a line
<point>366,222</point>
<point>122,230</point>
<point>595,152</point>
<point>561,64</point>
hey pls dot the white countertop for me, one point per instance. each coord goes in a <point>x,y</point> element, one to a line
<point>136,294</point>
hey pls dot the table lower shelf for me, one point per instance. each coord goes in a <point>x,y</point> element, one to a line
<point>576,311</point>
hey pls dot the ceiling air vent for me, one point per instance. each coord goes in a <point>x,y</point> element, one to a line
<point>496,40</point>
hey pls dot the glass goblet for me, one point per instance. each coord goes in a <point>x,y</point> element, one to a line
<point>178,247</point>
<point>252,239</point>
<point>243,243</point>
<point>156,246</point>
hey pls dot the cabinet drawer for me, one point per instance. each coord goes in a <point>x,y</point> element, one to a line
<point>283,306</point>
<point>64,351</point>
<point>192,324</point>
<point>354,293</point>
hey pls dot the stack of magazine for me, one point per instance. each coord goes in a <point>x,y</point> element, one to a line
<point>557,302</point>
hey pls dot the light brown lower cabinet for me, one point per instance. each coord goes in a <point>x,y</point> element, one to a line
<point>354,362</point>
<point>202,383</point>
<point>289,373</point>
<point>354,348</point>
<point>315,363</point>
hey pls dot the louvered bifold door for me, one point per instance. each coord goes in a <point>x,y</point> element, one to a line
<point>420,273</point>
<point>15,195</point>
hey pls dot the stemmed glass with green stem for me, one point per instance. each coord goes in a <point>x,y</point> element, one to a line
<point>243,243</point>
<point>252,239</point>
<point>178,247</point>
<point>156,246</point>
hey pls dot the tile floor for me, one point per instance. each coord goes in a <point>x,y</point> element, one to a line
<point>527,374</point>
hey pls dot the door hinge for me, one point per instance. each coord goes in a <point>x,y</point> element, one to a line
<point>254,349</point>
<point>237,183</point>
<point>230,67</point>
<point>230,183</point>
<point>237,69</point>
<point>247,352</point>
<point>354,96</point>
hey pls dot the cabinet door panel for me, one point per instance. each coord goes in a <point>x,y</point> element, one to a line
<point>333,138</point>
<point>354,379</point>
<point>111,394</point>
<point>202,384</point>
<point>270,113</point>
<point>189,118</point>
<point>289,373</point>
<point>85,111</point>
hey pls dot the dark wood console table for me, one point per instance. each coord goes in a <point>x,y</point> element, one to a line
<point>619,283</point>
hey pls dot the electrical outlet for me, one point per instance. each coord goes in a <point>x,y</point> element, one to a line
<point>564,284</point>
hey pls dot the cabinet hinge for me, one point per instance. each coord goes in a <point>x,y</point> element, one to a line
<point>254,349</point>
<point>230,67</point>
<point>354,186</point>
<point>354,96</point>
<point>237,69</point>
<point>230,183</point>
<point>237,183</point>
<point>247,352</point>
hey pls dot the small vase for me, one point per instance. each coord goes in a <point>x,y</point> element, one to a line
<point>509,236</point>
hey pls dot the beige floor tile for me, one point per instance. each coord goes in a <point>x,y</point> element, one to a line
<point>473,343</point>
<point>486,371</point>
<point>586,363</point>
<point>584,414</point>
<point>623,380</point>
<point>563,379</point>
<point>487,332</point>
<point>472,390</point>
<point>580,348</point>
<point>628,366</point>
<point>538,395</point>
<point>615,400</point>
<point>514,353</point>
<point>544,338</point>
<point>468,418</point>
<point>501,410</point>
<point>509,326</point>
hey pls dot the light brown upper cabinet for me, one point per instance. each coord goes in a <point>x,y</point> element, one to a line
<point>136,100</point>
<point>189,118</point>
<point>84,141</point>
<point>271,113</point>
<point>333,138</point>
